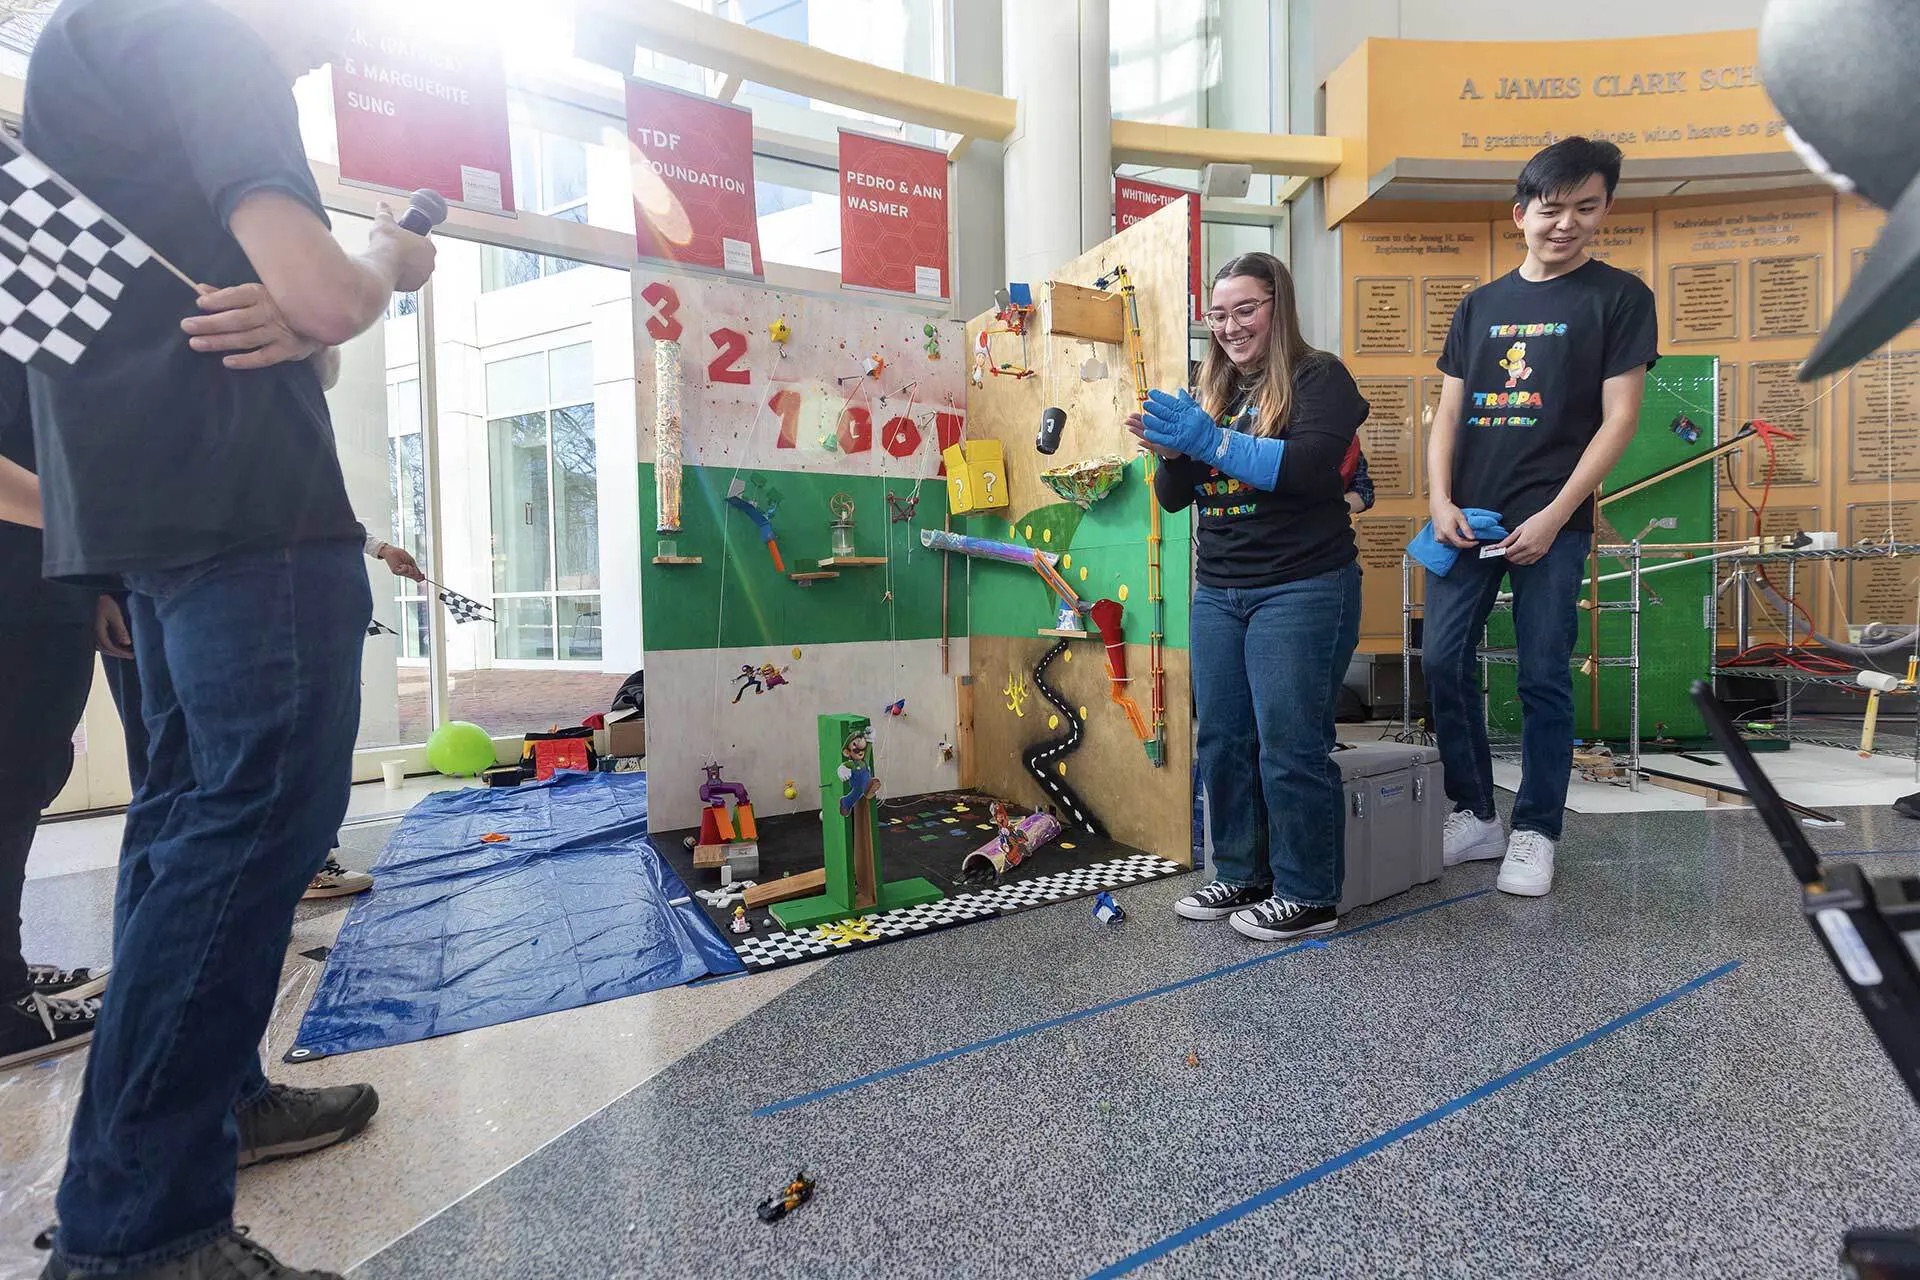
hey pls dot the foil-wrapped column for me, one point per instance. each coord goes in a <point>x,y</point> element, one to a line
<point>667,434</point>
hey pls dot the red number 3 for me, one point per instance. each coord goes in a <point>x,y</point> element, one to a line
<point>666,305</point>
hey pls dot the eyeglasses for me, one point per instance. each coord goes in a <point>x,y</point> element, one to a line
<point>1242,314</point>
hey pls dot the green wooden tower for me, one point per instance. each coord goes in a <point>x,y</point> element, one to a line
<point>850,831</point>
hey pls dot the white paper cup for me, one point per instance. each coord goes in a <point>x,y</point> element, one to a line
<point>395,773</point>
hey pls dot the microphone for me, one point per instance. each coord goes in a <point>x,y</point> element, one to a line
<point>426,209</point>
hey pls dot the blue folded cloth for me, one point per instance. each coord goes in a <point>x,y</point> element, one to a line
<point>1437,556</point>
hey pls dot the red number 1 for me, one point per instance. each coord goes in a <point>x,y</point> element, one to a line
<point>786,403</point>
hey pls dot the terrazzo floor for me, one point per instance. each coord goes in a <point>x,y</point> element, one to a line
<point>1650,1073</point>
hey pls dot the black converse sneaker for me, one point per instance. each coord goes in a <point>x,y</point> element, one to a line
<point>1276,920</point>
<point>1217,901</point>
<point>36,1026</point>
<point>232,1257</point>
<point>74,984</point>
<point>285,1121</point>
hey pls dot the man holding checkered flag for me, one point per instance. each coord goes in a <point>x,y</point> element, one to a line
<point>184,447</point>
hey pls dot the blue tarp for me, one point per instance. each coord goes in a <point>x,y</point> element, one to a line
<point>573,908</point>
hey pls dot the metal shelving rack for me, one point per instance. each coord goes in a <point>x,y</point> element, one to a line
<point>1633,554</point>
<point>1745,569</point>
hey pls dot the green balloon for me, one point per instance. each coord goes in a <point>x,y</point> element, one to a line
<point>460,750</point>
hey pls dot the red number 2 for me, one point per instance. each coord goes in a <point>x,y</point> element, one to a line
<point>733,346</point>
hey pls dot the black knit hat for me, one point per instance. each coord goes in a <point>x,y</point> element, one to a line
<point>1845,74</point>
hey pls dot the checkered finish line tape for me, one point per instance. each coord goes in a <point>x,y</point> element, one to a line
<point>774,950</point>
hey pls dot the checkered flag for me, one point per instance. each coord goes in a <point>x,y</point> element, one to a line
<point>63,264</point>
<point>462,609</point>
<point>379,628</point>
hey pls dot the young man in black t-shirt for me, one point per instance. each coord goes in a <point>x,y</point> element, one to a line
<point>195,460</point>
<point>1545,370</point>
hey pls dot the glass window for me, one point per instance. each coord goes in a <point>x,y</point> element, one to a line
<point>523,629</point>
<point>514,386</point>
<point>576,499</point>
<point>799,213</point>
<point>579,628</point>
<point>522,503</point>
<point>571,375</point>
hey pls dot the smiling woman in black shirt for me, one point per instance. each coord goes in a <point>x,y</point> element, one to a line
<point>1276,612</point>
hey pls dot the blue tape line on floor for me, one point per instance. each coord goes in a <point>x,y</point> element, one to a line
<point>1065,1019</point>
<point>1233,1213</point>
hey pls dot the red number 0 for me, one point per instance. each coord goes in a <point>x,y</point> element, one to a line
<point>946,433</point>
<point>666,304</point>
<point>900,437</point>
<point>786,403</point>
<point>733,345</point>
<point>856,429</point>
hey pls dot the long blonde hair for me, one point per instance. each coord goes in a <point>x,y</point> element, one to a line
<point>1220,380</point>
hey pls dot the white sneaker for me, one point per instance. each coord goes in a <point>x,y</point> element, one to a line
<point>1528,870</point>
<point>1471,839</point>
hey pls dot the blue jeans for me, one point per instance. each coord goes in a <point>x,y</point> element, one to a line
<point>1546,622</point>
<point>1267,668</point>
<point>250,682</point>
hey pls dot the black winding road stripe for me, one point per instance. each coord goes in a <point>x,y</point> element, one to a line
<point>1042,759</point>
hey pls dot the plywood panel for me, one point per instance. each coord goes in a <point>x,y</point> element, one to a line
<point>1150,809</point>
<point>1103,551</point>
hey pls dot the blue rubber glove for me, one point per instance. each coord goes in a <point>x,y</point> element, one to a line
<point>1177,422</point>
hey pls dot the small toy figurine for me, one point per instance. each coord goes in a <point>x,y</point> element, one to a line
<point>791,791</point>
<point>875,363</point>
<point>1106,910</point>
<point>795,1194</point>
<point>855,772</point>
<point>897,708</point>
<point>780,331</point>
<point>1193,1059</point>
<point>740,924</point>
<point>749,678</point>
<point>933,340</point>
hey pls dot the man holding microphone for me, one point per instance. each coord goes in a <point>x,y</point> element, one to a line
<point>200,468</point>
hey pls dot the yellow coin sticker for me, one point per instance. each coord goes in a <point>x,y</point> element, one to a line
<point>1083,573</point>
<point>1083,713</point>
<point>1013,530</point>
<point>1053,722</point>
<point>1029,533</point>
<point>796,652</point>
<point>1046,535</point>
<point>1067,656</point>
<point>1062,766</point>
<point>1066,562</point>
<point>1122,593</point>
<point>1066,845</point>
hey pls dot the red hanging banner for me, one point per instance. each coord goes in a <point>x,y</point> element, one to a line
<point>1134,200</point>
<point>693,199</point>
<point>893,216</point>
<point>415,109</point>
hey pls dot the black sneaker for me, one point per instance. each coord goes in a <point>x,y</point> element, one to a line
<point>1276,920</point>
<point>74,984</point>
<point>36,1026</point>
<point>292,1122</point>
<point>1217,901</point>
<point>233,1258</point>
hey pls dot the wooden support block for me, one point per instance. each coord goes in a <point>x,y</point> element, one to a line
<point>852,562</point>
<point>1076,311</point>
<point>677,560</point>
<point>963,728</point>
<point>786,888</point>
<point>808,579</point>
<point>709,855</point>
